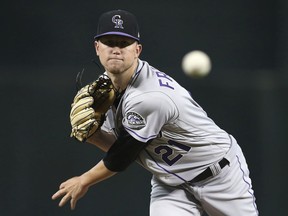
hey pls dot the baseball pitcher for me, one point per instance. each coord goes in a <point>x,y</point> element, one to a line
<point>134,112</point>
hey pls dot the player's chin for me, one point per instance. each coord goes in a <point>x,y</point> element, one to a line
<point>114,69</point>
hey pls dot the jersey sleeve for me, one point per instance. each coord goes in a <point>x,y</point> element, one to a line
<point>146,114</point>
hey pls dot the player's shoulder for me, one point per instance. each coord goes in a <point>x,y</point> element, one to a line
<point>149,78</point>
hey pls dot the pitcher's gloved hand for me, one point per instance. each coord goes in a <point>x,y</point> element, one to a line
<point>89,107</point>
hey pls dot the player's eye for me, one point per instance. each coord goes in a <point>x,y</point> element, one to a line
<point>117,43</point>
<point>109,43</point>
<point>126,43</point>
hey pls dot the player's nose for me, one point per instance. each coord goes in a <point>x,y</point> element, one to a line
<point>116,50</point>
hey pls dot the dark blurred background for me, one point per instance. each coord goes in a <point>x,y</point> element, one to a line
<point>44,44</point>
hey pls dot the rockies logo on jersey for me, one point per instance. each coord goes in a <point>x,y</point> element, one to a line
<point>134,119</point>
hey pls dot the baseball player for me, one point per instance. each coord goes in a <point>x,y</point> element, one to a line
<point>197,167</point>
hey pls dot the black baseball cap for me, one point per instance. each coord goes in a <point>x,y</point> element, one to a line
<point>118,22</point>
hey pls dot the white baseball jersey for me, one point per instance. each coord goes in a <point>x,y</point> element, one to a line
<point>185,140</point>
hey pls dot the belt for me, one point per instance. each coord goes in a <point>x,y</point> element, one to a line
<point>208,172</point>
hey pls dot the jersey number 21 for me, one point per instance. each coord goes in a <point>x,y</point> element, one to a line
<point>167,153</point>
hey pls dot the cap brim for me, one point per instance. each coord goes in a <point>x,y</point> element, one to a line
<point>117,33</point>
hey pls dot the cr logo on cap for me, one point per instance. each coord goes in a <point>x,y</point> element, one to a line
<point>118,21</point>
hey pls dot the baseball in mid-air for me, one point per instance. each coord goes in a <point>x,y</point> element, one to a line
<point>196,64</point>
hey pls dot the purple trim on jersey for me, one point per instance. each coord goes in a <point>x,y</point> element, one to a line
<point>144,138</point>
<point>138,71</point>
<point>249,185</point>
<point>164,168</point>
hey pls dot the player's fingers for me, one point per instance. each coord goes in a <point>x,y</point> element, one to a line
<point>58,194</point>
<point>62,185</point>
<point>73,202</point>
<point>64,200</point>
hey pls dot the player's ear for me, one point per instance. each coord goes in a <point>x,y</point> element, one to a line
<point>138,49</point>
<point>96,45</point>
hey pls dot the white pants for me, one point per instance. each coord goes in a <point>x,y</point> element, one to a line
<point>228,193</point>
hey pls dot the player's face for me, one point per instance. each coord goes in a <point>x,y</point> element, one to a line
<point>117,54</point>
